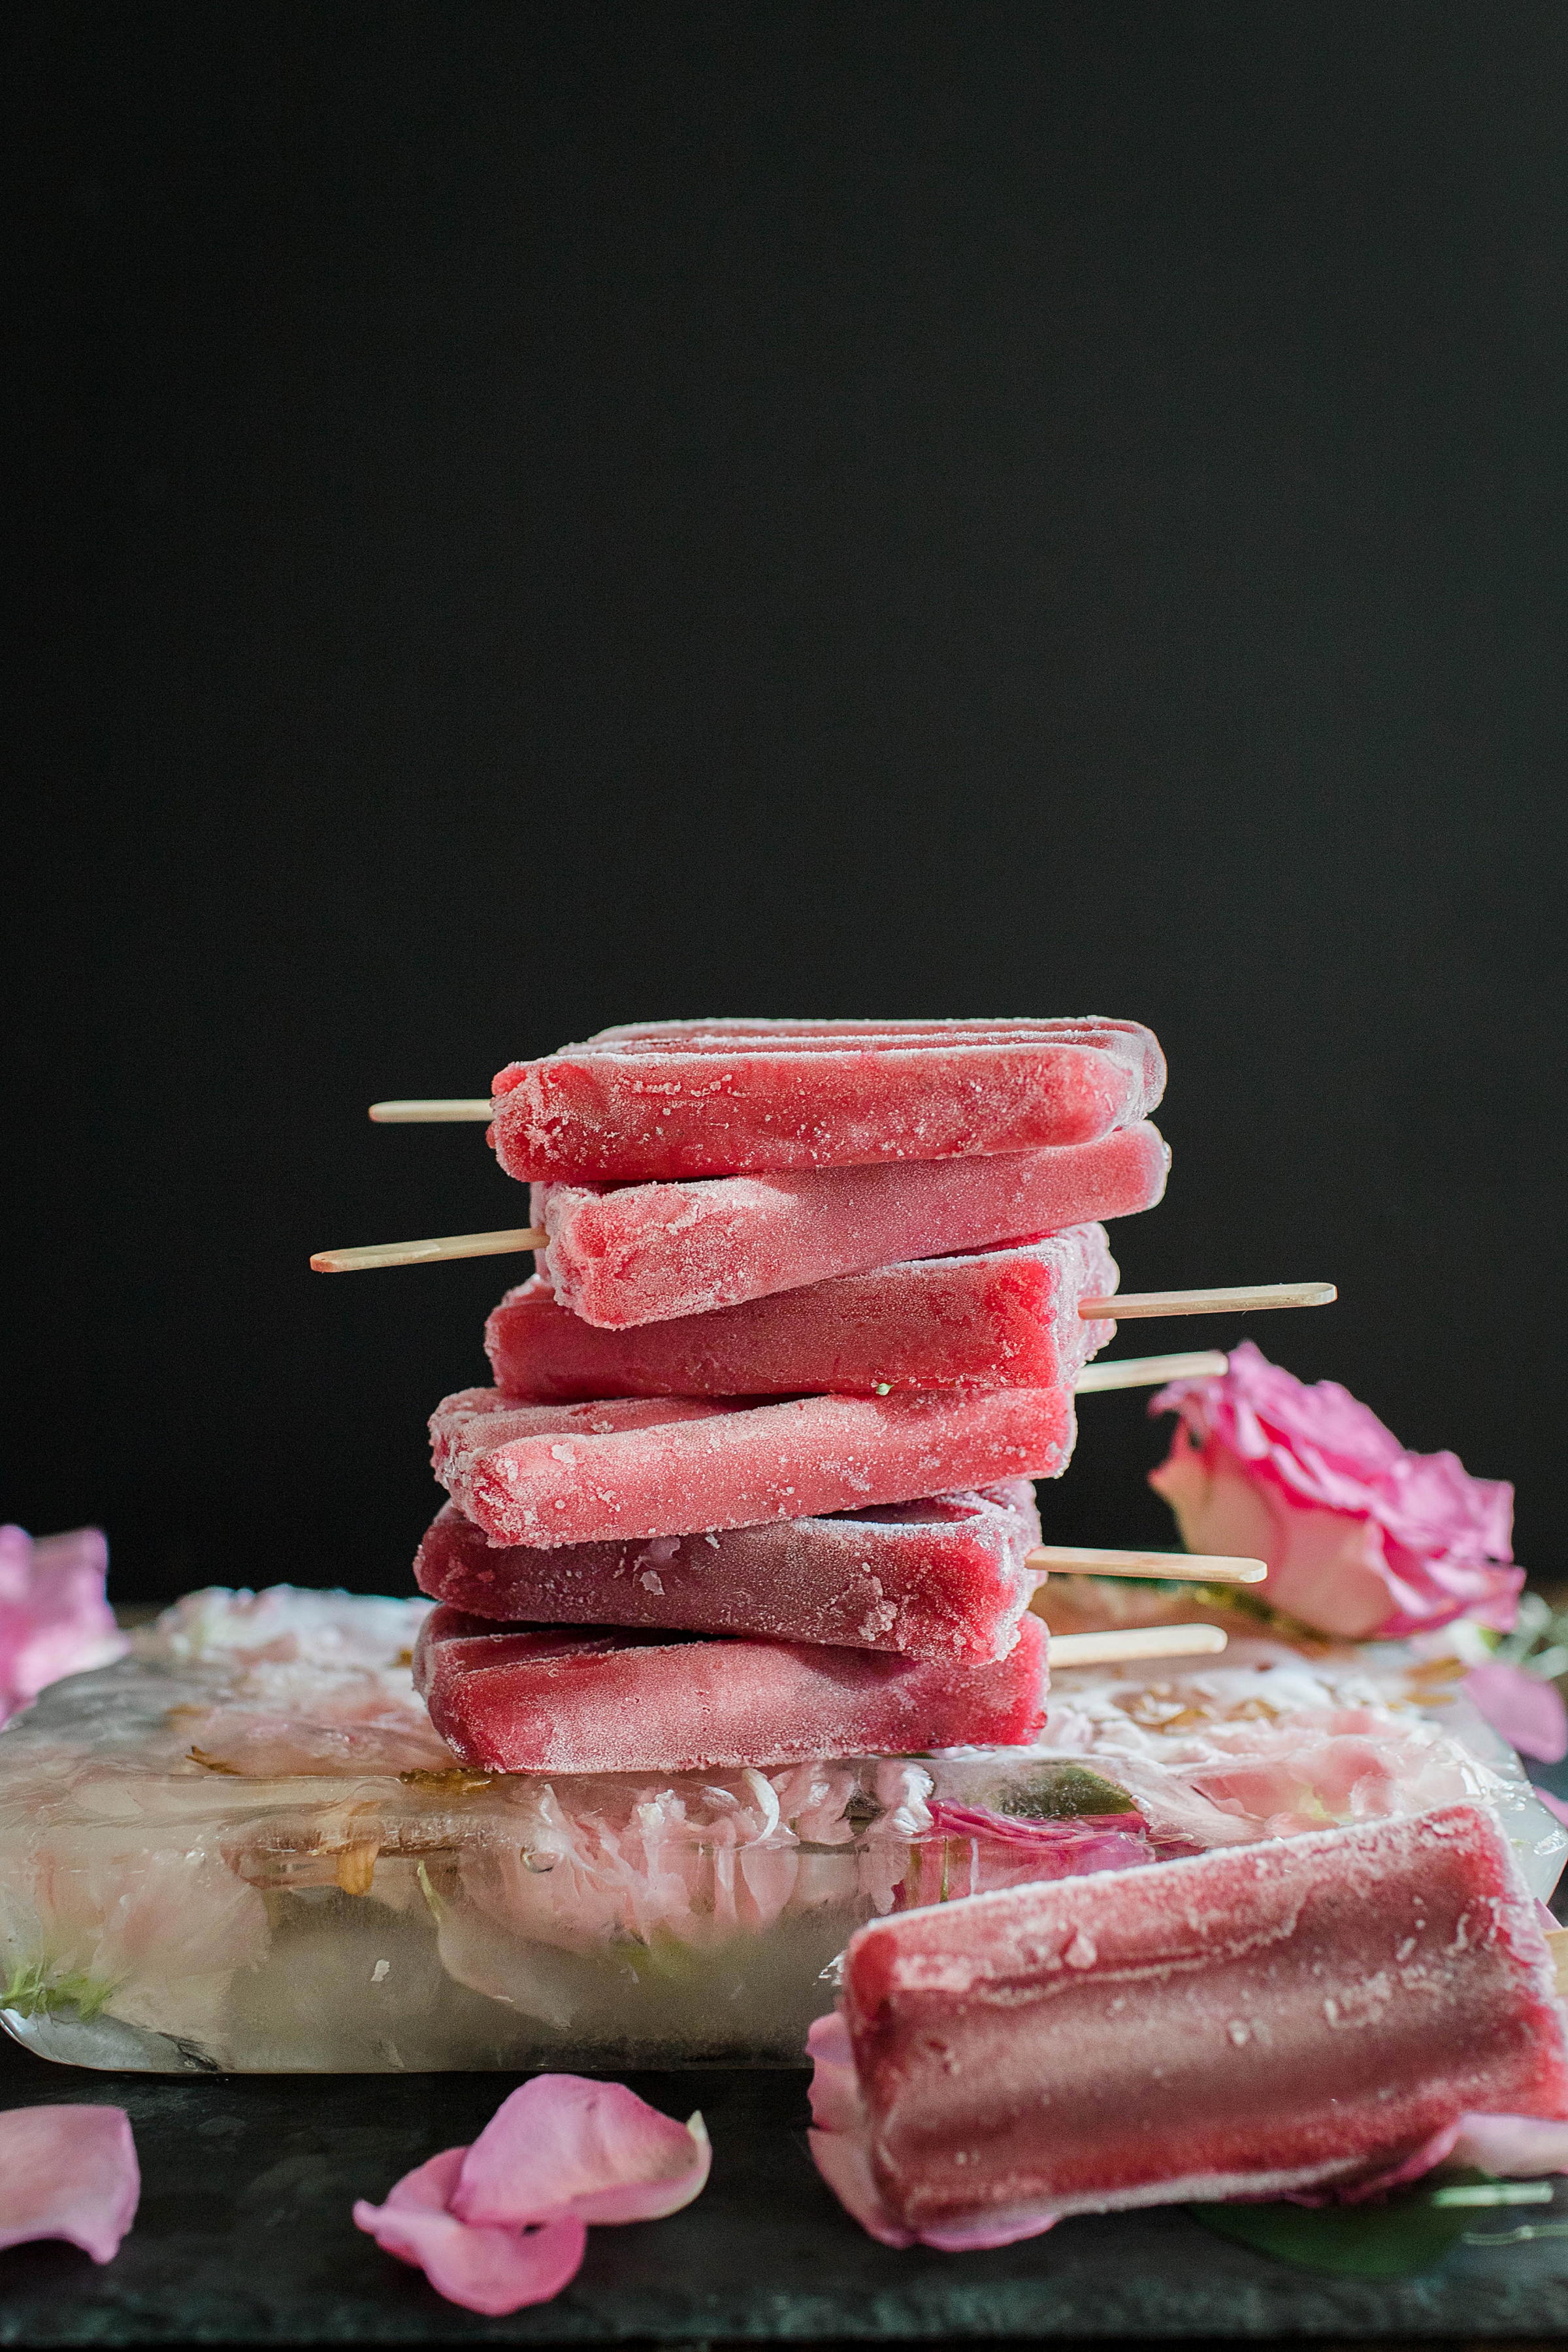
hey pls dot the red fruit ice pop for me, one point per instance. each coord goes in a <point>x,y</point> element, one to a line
<point>1005,1318</point>
<point>545,1474</point>
<point>617,1702</point>
<point>1257,2021</point>
<point>944,1579</point>
<point>646,1253</point>
<point>674,1099</point>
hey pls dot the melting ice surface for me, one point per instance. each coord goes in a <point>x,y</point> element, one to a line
<point>244,1846</point>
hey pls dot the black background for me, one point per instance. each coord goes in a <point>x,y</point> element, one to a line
<point>538,515</point>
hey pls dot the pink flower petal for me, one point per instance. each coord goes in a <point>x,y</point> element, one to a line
<point>840,2150</point>
<point>844,2163</point>
<point>1513,2147</point>
<point>54,1618</point>
<point>1528,1712</point>
<point>493,2270</point>
<point>562,2144</point>
<point>1553,1805</point>
<point>835,2093</point>
<point>68,2172</point>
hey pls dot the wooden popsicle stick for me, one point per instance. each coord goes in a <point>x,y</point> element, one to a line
<point>429,1111</point>
<point>1135,1641</point>
<point>1149,1372</point>
<point>1185,1567</point>
<point>1128,1304</point>
<point>359,1261</point>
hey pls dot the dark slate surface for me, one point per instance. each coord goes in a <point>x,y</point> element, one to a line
<point>244,2237</point>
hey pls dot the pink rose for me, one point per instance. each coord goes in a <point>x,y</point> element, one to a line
<point>1361,1538</point>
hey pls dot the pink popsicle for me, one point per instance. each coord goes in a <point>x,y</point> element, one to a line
<point>673,1098</point>
<point>944,1579</point>
<point>649,1252</point>
<point>1002,1318</point>
<point>545,1474</point>
<point>616,1702</point>
<point>1256,2021</point>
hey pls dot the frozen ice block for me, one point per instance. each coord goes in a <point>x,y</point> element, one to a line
<point>1254,2021</point>
<point>605,1700</point>
<point>244,1846</point>
<point>944,1579</point>
<point>675,1098</point>
<point>649,1252</point>
<point>637,1466</point>
<point>1005,1318</point>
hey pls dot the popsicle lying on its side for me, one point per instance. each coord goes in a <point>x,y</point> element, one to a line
<point>645,1253</point>
<point>1257,2021</point>
<point>634,1466</point>
<point>944,1579</point>
<point>1005,1318</point>
<point>606,1701</point>
<point>674,1098</point>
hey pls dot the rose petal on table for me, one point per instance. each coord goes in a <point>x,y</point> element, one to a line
<point>835,2092</point>
<point>54,1618</point>
<point>844,2162</point>
<point>563,2144</point>
<point>492,2270</point>
<point>68,2172</point>
<point>1528,1712</point>
<point>840,2150</point>
<point>1515,2148</point>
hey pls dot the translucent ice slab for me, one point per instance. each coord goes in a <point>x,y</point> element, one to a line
<point>245,1847</point>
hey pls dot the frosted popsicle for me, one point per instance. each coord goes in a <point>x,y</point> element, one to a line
<point>634,1466</point>
<point>1252,2023</point>
<point>944,1579</point>
<point>649,1252</point>
<point>1005,1318</point>
<point>609,1701</point>
<point>673,1098</point>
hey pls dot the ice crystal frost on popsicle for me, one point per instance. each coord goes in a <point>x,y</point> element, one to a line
<point>645,1253</point>
<point>557,1473</point>
<point>942,1579</point>
<point>1004,1318</point>
<point>724,1098</point>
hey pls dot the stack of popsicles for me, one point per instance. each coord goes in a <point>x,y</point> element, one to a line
<point>751,1485</point>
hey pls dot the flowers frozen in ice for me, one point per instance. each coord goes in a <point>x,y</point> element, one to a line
<point>504,2222</point>
<point>54,1618</point>
<point>1361,1537</point>
<point>68,2172</point>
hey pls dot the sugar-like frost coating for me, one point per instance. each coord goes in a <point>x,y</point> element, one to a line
<point>1004,1318</point>
<point>544,1475</point>
<point>725,1097</point>
<point>1259,2021</point>
<point>648,1252</point>
<point>592,1700</point>
<point>943,1579</point>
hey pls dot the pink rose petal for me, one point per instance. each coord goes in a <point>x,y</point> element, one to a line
<point>1528,1712</point>
<point>493,2270</point>
<point>840,2150</point>
<point>1513,2147</point>
<point>562,2144</point>
<point>54,1618</point>
<point>68,2172</point>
